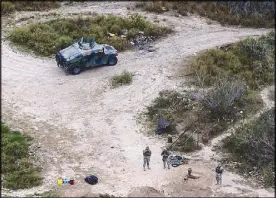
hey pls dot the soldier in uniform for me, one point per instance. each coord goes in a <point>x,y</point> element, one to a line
<point>165,155</point>
<point>146,154</point>
<point>189,172</point>
<point>219,171</point>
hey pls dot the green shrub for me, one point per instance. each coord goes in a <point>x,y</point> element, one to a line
<point>132,33</point>
<point>115,29</point>
<point>122,79</point>
<point>250,60</point>
<point>49,37</point>
<point>63,42</point>
<point>254,145</point>
<point>7,7</point>
<point>20,35</point>
<point>18,170</point>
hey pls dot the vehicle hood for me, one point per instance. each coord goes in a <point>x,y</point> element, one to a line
<point>70,52</point>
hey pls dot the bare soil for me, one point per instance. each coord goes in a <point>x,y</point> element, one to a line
<point>83,127</point>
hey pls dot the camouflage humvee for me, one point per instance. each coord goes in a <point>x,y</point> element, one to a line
<point>86,53</point>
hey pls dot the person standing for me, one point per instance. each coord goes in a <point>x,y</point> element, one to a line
<point>146,154</point>
<point>165,153</point>
<point>219,171</point>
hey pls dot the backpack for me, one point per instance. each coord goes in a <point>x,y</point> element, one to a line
<point>91,179</point>
<point>219,170</point>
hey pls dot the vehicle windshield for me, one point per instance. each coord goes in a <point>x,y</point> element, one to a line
<point>86,43</point>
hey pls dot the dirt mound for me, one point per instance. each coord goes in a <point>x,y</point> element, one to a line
<point>145,191</point>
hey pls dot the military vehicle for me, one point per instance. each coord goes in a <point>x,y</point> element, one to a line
<point>86,53</point>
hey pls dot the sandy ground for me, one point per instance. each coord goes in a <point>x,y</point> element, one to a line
<point>83,127</point>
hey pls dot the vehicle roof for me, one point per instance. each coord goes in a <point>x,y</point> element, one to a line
<point>84,48</point>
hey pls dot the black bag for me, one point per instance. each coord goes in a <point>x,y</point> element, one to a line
<point>91,179</point>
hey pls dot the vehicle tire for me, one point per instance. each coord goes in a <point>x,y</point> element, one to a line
<point>112,61</point>
<point>76,70</point>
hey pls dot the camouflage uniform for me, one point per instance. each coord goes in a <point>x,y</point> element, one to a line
<point>165,155</point>
<point>219,171</point>
<point>189,172</point>
<point>146,154</point>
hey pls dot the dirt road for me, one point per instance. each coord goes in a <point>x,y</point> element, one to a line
<point>84,127</point>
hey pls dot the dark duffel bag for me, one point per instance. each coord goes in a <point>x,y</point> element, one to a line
<point>91,179</point>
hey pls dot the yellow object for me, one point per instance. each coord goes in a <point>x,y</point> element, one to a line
<point>59,181</point>
<point>112,35</point>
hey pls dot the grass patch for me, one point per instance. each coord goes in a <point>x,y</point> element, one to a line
<point>17,167</point>
<point>9,7</point>
<point>47,38</point>
<point>125,78</point>
<point>251,60</point>
<point>249,14</point>
<point>254,145</point>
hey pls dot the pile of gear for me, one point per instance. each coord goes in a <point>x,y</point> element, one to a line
<point>140,41</point>
<point>176,160</point>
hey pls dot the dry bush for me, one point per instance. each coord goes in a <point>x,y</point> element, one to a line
<point>122,79</point>
<point>8,7</point>
<point>246,13</point>
<point>221,99</point>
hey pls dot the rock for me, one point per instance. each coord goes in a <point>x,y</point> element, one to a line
<point>151,49</point>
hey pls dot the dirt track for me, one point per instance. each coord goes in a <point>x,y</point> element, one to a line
<point>77,119</point>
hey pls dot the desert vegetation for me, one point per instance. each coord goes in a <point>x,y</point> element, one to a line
<point>9,7</point>
<point>231,78</point>
<point>18,169</point>
<point>47,38</point>
<point>124,78</point>
<point>251,60</point>
<point>245,13</point>
<point>253,144</point>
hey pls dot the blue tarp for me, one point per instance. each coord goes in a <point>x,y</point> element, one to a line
<point>162,125</point>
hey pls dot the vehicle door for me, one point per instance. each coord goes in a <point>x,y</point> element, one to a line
<point>99,57</point>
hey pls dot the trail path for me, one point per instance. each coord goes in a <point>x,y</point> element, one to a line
<point>83,127</point>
